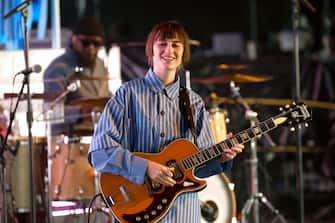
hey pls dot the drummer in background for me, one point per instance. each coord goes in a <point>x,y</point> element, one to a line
<point>80,55</point>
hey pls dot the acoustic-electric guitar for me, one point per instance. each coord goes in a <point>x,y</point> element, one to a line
<point>150,202</point>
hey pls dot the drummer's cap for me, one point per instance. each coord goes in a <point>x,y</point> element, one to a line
<point>88,26</point>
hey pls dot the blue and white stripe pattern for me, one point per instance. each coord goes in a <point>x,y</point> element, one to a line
<point>144,116</point>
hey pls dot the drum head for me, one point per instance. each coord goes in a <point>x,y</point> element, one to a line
<point>218,203</point>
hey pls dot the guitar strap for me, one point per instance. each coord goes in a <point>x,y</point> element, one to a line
<point>186,111</point>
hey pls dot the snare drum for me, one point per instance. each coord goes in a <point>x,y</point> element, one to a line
<point>20,176</point>
<point>218,204</point>
<point>72,176</point>
<point>217,119</point>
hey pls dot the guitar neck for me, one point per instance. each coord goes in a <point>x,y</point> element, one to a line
<point>201,157</point>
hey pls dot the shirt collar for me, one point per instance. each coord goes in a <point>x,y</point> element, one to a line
<point>156,85</point>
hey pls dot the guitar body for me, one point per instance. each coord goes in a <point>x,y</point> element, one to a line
<point>132,202</point>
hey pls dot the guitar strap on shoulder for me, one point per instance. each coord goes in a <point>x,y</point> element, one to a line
<point>186,111</point>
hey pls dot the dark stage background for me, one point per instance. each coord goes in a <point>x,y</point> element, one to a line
<point>264,23</point>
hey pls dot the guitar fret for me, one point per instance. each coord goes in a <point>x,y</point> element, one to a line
<point>208,155</point>
<point>219,147</point>
<point>234,141</point>
<point>189,163</point>
<point>201,156</point>
<point>229,144</point>
<point>185,164</point>
<point>250,133</point>
<point>245,136</point>
<point>212,152</point>
<point>263,127</point>
<point>222,147</point>
<point>270,123</point>
<point>194,159</point>
<point>216,150</point>
<point>239,138</point>
<point>256,130</point>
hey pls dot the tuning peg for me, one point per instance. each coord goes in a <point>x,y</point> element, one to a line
<point>292,129</point>
<point>287,106</point>
<point>281,109</point>
<point>306,125</point>
<point>294,103</point>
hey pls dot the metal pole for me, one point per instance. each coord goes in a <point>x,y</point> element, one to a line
<point>29,121</point>
<point>56,30</point>
<point>299,158</point>
<point>252,43</point>
<point>48,181</point>
<point>254,189</point>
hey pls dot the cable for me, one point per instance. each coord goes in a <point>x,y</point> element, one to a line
<point>90,205</point>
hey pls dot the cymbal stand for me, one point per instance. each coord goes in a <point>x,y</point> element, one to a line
<point>99,206</point>
<point>95,118</point>
<point>256,196</point>
<point>73,86</point>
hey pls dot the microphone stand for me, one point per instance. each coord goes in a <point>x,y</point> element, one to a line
<point>299,157</point>
<point>2,150</point>
<point>256,196</point>
<point>73,86</point>
<point>23,8</point>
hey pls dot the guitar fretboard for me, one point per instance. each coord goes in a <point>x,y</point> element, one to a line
<point>199,158</point>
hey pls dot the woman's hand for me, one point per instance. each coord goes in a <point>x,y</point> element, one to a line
<point>229,154</point>
<point>160,174</point>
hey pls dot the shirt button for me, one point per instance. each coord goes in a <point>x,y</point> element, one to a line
<point>162,134</point>
<point>162,112</point>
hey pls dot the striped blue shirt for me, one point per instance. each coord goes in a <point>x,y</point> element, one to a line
<point>144,116</point>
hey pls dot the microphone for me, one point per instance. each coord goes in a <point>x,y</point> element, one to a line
<point>35,68</point>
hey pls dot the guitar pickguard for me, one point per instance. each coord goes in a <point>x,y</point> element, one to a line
<point>162,202</point>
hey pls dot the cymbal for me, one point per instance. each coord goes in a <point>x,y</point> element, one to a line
<point>98,102</point>
<point>237,77</point>
<point>46,96</point>
<point>290,149</point>
<point>279,102</point>
<point>224,66</point>
<point>80,76</point>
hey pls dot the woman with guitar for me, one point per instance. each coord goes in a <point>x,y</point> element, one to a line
<point>147,140</point>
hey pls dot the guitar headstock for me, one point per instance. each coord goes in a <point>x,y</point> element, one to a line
<point>294,114</point>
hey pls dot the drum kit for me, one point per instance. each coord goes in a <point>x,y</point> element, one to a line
<point>64,182</point>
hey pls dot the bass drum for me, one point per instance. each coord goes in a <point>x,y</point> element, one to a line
<point>218,204</point>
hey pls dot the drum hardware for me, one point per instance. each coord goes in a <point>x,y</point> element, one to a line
<point>255,196</point>
<point>48,111</point>
<point>209,210</point>
<point>218,204</point>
